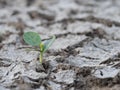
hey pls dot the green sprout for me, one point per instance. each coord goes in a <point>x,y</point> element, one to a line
<point>34,39</point>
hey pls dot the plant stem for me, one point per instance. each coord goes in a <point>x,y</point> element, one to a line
<point>41,57</point>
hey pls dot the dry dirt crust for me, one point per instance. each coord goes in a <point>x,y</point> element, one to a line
<point>84,56</point>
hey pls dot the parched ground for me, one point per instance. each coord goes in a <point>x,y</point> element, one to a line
<point>84,56</point>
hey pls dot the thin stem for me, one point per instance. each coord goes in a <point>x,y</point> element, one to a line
<point>41,57</point>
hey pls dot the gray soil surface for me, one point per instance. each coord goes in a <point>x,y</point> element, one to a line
<point>84,56</point>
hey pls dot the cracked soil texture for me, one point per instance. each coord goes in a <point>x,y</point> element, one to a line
<point>84,56</point>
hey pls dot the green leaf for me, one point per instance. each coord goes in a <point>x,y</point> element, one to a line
<point>48,43</point>
<point>32,38</point>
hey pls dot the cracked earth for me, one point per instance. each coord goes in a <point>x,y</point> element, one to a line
<point>84,56</point>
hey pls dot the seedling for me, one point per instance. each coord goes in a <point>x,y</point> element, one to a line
<point>34,39</point>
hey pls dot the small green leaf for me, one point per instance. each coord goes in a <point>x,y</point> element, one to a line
<point>48,43</point>
<point>32,38</point>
